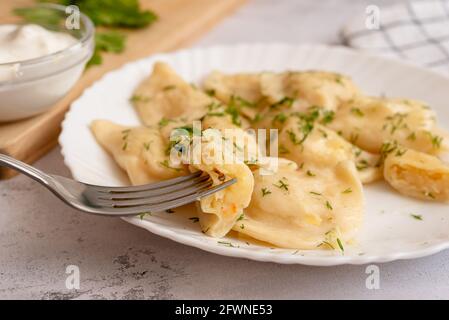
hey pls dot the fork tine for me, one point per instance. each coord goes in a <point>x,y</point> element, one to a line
<point>151,193</point>
<point>169,204</point>
<point>122,202</point>
<point>151,186</point>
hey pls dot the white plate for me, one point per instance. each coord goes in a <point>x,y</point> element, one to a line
<point>389,231</point>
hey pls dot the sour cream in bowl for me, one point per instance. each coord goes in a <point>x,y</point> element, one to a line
<point>39,65</point>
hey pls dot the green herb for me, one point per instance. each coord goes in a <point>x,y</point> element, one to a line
<point>210,92</point>
<point>349,190</point>
<point>241,217</point>
<point>242,226</point>
<point>281,185</point>
<point>168,88</point>
<point>353,137</point>
<point>166,165</point>
<point>436,140</point>
<point>106,41</point>
<point>283,149</point>
<point>227,244</point>
<point>142,215</point>
<point>310,173</point>
<point>106,13</point>
<point>233,111</point>
<point>411,137</point>
<point>125,146</point>
<point>357,112</point>
<point>146,145</point>
<point>362,164</point>
<point>328,205</point>
<point>416,216</point>
<point>287,101</point>
<point>265,192</point>
<point>315,193</point>
<point>327,244</point>
<point>139,98</point>
<point>280,117</point>
<point>328,116</point>
<point>114,13</point>
<point>339,79</point>
<point>164,121</point>
<point>194,219</point>
<point>340,245</point>
<point>395,122</point>
<point>429,194</point>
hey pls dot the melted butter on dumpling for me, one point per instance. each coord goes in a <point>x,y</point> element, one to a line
<point>165,95</point>
<point>417,174</point>
<point>368,122</point>
<point>291,209</point>
<point>140,151</point>
<point>316,145</point>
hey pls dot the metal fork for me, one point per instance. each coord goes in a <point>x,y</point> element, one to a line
<point>122,201</point>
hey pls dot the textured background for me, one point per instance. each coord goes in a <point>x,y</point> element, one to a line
<point>39,236</point>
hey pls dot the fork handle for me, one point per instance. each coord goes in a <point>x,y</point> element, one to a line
<point>24,168</point>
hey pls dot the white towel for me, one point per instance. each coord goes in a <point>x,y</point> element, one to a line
<point>414,30</point>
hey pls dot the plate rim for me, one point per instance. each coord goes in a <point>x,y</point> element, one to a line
<point>265,256</point>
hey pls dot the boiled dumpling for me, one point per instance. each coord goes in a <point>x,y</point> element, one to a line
<point>164,96</point>
<point>416,174</point>
<point>140,151</point>
<point>291,209</point>
<point>368,122</point>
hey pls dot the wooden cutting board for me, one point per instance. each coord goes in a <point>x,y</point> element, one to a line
<point>180,22</point>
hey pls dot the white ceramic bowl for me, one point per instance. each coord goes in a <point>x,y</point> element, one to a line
<point>30,87</point>
<point>389,231</point>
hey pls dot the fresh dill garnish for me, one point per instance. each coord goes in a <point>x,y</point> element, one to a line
<point>310,173</point>
<point>416,216</point>
<point>362,165</point>
<point>265,192</point>
<point>282,184</point>
<point>315,193</point>
<point>147,145</point>
<point>164,121</point>
<point>167,165</point>
<point>348,190</point>
<point>327,244</point>
<point>125,146</point>
<point>340,245</point>
<point>280,117</point>
<point>226,243</point>
<point>357,112</point>
<point>328,205</point>
<point>283,150</point>
<point>429,194</point>
<point>436,140</point>
<point>241,217</point>
<point>139,98</point>
<point>395,122</point>
<point>210,92</point>
<point>411,136</point>
<point>142,215</point>
<point>328,116</point>
<point>242,226</point>
<point>353,137</point>
<point>286,101</point>
<point>168,88</point>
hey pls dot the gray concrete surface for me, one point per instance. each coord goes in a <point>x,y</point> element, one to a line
<point>40,237</point>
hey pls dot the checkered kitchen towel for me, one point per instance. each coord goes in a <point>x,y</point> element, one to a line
<point>416,30</point>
